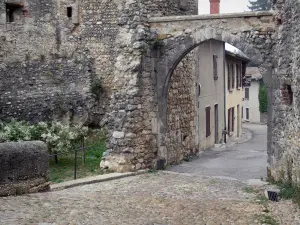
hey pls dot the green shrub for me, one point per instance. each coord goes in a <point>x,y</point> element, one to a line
<point>59,137</point>
<point>263,99</point>
<point>96,88</point>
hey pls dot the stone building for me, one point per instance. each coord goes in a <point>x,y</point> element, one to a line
<point>210,94</point>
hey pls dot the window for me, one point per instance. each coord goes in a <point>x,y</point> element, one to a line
<point>215,66</point>
<point>69,12</point>
<point>247,113</point>
<point>246,93</point>
<point>14,12</point>
<point>229,77</point>
<point>207,111</point>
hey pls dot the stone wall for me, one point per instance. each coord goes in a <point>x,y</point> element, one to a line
<point>181,137</point>
<point>40,80</point>
<point>23,168</point>
<point>45,32</point>
<point>171,7</point>
<point>284,123</point>
<point>264,118</point>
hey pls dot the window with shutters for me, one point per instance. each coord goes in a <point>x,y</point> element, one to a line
<point>229,77</point>
<point>233,76</point>
<point>215,65</point>
<point>207,111</point>
<point>246,93</point>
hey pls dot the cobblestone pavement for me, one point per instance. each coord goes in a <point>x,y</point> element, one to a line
<point>158,198</point>
<point>242,161</point>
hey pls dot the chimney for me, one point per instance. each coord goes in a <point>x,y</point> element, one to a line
<point>214,6</point>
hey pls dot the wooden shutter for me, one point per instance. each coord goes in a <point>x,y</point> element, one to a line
<point>232,119</point>
<point>233,76</point>
<point>229,75</point>
<point>207,111</point>
<point>243,74</point>
<point>229,119</point>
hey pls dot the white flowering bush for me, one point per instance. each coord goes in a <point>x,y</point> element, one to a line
<point>60,138</point>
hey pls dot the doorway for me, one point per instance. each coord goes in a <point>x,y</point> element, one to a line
<point>216,124</point>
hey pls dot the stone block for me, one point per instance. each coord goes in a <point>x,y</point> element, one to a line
<point>24,167</point>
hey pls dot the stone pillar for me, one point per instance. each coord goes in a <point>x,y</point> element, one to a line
<point>214,6</point>
<point>267,77</point>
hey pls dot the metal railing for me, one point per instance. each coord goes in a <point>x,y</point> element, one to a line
<point>83,149</point>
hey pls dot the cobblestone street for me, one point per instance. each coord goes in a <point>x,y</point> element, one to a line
<point>154,198</point>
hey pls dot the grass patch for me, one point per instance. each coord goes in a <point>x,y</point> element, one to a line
<point>248,190</point>
<point>266,219</point>
<point>64,170</point>
<point>261,199</point>
<point>289,191</point>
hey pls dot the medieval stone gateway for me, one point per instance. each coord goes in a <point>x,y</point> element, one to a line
<point>173,39</point>
<point>51,52</point>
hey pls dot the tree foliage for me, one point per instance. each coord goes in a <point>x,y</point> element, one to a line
<point>263,98</point>
<point>260,5</point>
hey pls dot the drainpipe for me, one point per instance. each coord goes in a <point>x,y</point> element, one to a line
<point>224,77</point>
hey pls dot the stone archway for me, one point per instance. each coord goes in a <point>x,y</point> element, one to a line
<point>173,50</point>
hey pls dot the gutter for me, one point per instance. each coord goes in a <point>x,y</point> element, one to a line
<point>224,77</point>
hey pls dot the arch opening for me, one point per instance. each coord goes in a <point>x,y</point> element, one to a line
<point>185,127</point>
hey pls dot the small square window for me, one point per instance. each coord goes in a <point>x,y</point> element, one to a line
<point>14,12</point>
<point>69,12</point>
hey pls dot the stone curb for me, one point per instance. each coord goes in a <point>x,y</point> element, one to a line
<point>94,179</point>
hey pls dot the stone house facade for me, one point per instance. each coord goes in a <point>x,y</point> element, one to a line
<point>210,94</point>
<point>235,66</point>
<point>251,101</point>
